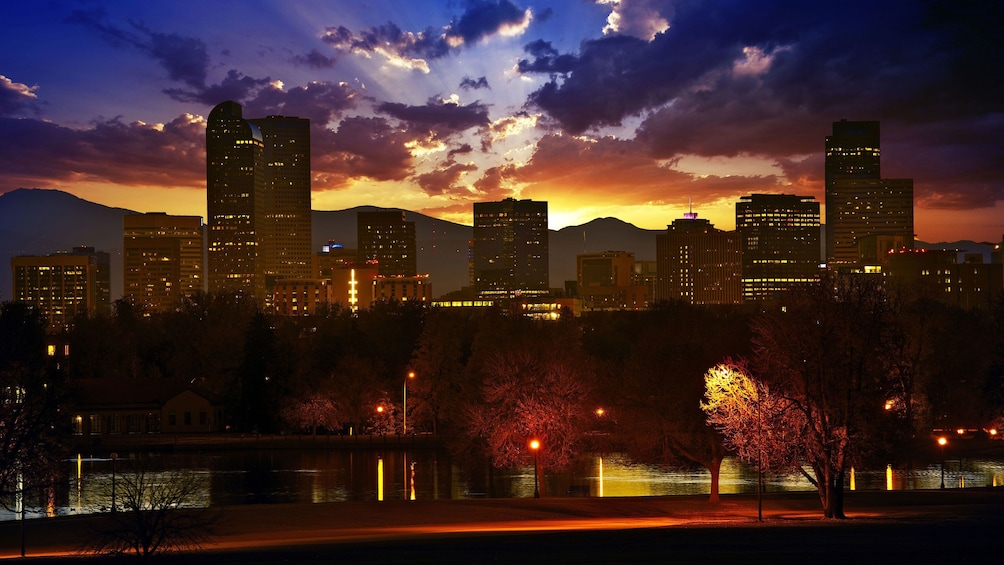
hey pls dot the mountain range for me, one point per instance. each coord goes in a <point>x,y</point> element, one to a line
<point>41,221</point>
<point>37,221</point>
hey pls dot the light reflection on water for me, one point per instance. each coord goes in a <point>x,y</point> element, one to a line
<point>318,476</point>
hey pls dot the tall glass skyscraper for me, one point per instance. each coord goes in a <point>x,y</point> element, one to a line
<point>780,242</point>
<point>258,200</point>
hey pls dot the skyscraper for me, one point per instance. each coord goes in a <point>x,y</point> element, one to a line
<point>258,195</point>
<point>859,202</point>
<point>162,259</point>
<point>386,238</point>
<point>236,199</point>
<point>287,228</point>
<point>698,263</point>
<point>780,242</point>
<point>510,248</point>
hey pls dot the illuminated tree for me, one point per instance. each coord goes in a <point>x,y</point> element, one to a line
<point>315,410</point>
<point>824,350</point>
<point>761,428</point>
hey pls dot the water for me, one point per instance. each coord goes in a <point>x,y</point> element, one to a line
<point>338,475</point>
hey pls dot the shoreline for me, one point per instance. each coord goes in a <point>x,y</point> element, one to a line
<point>249,530</point>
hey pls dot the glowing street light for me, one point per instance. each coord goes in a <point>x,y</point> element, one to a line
<point>942,441</point>
<point>404,422</point>
<point>534,446</point>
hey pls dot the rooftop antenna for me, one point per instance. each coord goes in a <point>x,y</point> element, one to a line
<point>690,215</point>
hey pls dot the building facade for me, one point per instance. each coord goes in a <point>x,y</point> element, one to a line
<point>607,281</point>
<point>510,248</point>
<point>235,202</point>
<point>859,202</point>
<point>162,259</point>
<point>388,241</point>
<point>62,286</point>
<point>780,243</point>
<point>698,263</point>
<point>258,200</point>
<point>287,229</point>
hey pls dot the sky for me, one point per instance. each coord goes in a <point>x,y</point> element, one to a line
<point>635,109</point>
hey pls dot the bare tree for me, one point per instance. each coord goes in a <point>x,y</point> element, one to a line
<point>155,512</point>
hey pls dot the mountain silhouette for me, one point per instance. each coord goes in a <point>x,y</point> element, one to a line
<point>36,221</point>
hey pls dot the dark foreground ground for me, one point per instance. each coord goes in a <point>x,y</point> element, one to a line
<point>951,526</point>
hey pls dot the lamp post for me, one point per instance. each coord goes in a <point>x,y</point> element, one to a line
<point>534,446</point>
<point>942,441</point>
<point>115,456</point>
<point>404,421</point>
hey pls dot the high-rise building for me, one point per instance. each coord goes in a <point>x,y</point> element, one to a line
<point>258,200</point>
<point>698,263</point>
<point>388,241</point>
<point>102,277</point>
<point>859,202</point>
<point>235,193</point>
<point>780,242</point>
<point>287,235</point>
<point>510,248</point>
<point>162,259</point>
<point>62,285</point>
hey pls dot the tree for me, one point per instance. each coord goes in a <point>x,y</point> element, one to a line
<point>824,349</point>
<point>31,427</point>
<point>155,512</point>
<point>761,428</point>
<point>533,386</point>
<point>316,410</point>
<point>437,393</point>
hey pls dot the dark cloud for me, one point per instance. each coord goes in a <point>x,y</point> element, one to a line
<point>462,150</point>
<point>484,18</point>
<point>427,44</point>
<point>39,153</point>
<point>441,118</point>
<point>235,86</point>
<point>361,148</point>
<point>444,179</point>
<point>481,19</point>
<point>320,102</point>
<point>469,83</point>
<point>17,99</point>
<point>494,183</point>
<point>315,60</point>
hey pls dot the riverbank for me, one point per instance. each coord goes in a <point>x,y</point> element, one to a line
<point>923,524</point>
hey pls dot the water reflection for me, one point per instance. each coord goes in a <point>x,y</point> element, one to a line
<point>337,475</point>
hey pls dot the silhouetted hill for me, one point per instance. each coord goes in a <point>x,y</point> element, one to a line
<point>41,221</point>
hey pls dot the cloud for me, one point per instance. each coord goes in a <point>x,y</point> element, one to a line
<point>315,60</point>
<point>481,20</point>
<point>639,18</point>
<point>39,153</point>
<point>444,179</point>
<point>469,83</point>
<point>235,86</point>
<point>17,99</point>
<point>320,102</point>
<point>362,147</point>
<point>443,118</point>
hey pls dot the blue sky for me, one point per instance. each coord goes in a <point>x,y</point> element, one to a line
<point>629,109</point>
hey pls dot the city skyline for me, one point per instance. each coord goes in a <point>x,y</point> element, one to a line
<point>625,109</point>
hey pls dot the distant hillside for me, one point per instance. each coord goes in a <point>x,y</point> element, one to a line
<point>41,221</point>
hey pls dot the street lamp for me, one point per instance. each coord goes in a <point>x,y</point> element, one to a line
<point>404,422</point>
<point>114,457</point>
<point>942,441</point>
<point>534,446</point>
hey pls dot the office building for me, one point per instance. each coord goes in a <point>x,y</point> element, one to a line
<point>258,200</point>
<point>162,259</point>
<point>698,263</point>
<point>102,277</point>
<point>780,243</point>
<point>607,281</point>
<point>287,229</point>
<point>387,241</point>
<point>62,286</point>
<point>510,249</point>
<point>859,202</point>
